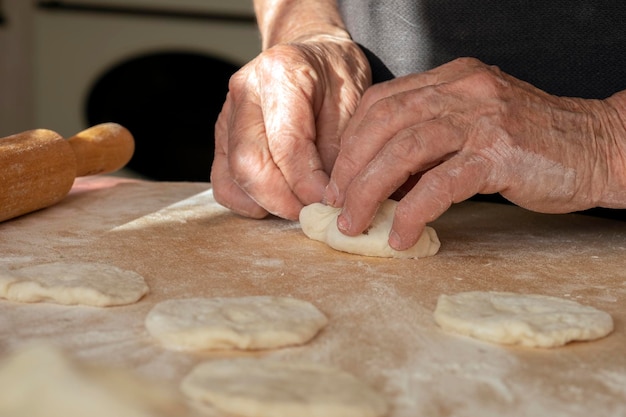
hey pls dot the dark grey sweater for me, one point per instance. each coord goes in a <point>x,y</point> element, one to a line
<point>565,47</point>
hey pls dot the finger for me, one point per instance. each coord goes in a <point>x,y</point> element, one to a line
<point>225,189</point>
<point>384,120</point>
<point>332,119</point>
<point>289,116</point>
<point>252,166</point>
<point>413,150</point>
<point>229,194</point>
<point>453,181</point>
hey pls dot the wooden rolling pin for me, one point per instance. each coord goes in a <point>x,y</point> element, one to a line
<point>38,167</point>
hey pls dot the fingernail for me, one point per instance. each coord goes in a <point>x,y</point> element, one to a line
<point>331,193</point>
<point>394,240</point>
<point>344,222</point>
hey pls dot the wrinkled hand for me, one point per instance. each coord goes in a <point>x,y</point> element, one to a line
<point>467,128</point>
<point>277,136</point>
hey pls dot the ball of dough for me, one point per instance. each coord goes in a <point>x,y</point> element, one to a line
<point>249,387</point>
<point>257,322</point>
<point>319,222</point>
<point>92,284</point>
<point>520,319</point>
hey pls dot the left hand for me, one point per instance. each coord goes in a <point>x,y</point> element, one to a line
<point>466,128</point>
<point>277,136</point>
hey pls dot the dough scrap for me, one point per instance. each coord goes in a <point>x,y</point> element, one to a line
<point>92,284</point>
<point>520,319</point>
<point>255,322</point>
<point>319,222</point>
<point>249,387</point>
<point>43,381</point>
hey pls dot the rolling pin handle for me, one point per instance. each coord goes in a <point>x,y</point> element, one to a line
<point>102,148</point>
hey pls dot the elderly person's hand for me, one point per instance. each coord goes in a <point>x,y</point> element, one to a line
<point>467,128</point>
<point>278,134</point>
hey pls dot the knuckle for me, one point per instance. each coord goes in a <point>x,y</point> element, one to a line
<point>385,108</point>
<point>489,81</point>
<point>280,63</point>
<point>372,95</point>
<point>279,55</point>
<point>379,114</point>
<point>239,81</point>
<point>347,164</point>
<point>284,63</point>
<point>437,187</point>
<point>407,145</point>
<point>482,78</point>
<point>436,181</point>
<point>466,61</point>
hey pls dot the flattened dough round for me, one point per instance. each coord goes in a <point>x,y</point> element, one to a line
<point>43,381</point>
<point>92,284</point>
<point>258,322</point>
<point>520,319</point>
<point>248,387</point>
<point>319,222</point>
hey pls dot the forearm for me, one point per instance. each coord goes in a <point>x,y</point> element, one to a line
<point>288,20</point>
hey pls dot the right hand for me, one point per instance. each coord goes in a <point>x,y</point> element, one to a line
<point>277,136</point>
<point>466,128</point>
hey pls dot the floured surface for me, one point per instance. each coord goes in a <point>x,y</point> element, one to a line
<point>520,319</point>
<point>246,323</point>
<point>380,310</point>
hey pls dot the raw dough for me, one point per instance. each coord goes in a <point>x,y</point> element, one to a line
<point>519,319</point>
<point>43,381</point>
<point>257,322</point>
<point>248,387</point>
<point>91,284</point>
<point>319,222</point>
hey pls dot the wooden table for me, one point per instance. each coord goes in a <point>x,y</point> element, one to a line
<point>380,310</point>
